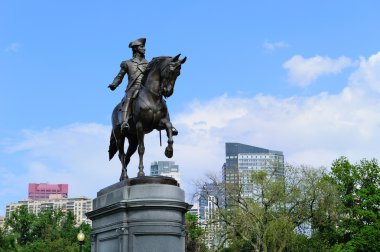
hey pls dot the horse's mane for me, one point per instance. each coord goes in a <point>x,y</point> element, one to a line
<point>152,65</point>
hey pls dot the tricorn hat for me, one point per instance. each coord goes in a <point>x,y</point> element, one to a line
<point>137,42</point>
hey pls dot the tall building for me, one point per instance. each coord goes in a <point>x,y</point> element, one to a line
<point>1,221</point>
<point>210,199</point>
<point>214,228</point>
<point>45,191</point>
<point>165,168</point>
<point>194,209</point>
<point>208,193</point>
<point>242,160</point>
<point>79,206</point>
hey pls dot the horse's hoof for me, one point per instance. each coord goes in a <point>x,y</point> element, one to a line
<point>123,176</point>
<point>168,152</point>
<point>174,132</point>
<point>140,174</point>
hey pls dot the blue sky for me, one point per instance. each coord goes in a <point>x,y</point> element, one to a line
<point>297,76</point>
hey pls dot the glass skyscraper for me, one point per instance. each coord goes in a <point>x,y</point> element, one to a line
<point>242,160</point>
<point>165,168</point>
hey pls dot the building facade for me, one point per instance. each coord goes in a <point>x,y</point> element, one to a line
<point>41,191</point>
<point>213,226</point>
<point>165,168</point>
<point>242,160</point>
<point>79,206</point>
<point>195,209</point>
<point>209,201</point>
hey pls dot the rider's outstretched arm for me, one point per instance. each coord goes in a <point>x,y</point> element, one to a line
<point>119,77</point>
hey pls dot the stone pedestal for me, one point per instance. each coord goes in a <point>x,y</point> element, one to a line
<point>143,214</point>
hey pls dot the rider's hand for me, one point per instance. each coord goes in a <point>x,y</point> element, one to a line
<point>112,87</point>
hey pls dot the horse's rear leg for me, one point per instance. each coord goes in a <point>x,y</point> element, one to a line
<point>131,149</point>
<point>120,146</point>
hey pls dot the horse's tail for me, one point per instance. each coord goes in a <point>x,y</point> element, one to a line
<point>112,149</point>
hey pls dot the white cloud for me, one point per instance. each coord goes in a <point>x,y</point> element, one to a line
<point>303,71</point>
<point>313,130</point>
<point>13,48</point>
<point>216,116</point>
<point>368,73</point>
<point>309,130</point>
<point>271,46</point>
<point>76,154</point>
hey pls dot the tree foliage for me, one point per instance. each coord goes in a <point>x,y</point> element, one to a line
<point>306,210</point>
<point>50,230</point>
<point>359,191</point>
<point>280,215</point>
<point>194,234</point>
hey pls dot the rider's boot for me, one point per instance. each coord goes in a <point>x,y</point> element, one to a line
<point>125,117</point>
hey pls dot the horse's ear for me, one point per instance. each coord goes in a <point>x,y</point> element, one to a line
<point>183,60</point>
<point>176,58</point>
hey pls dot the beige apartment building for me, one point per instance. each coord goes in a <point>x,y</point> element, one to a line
<point>79,206</point>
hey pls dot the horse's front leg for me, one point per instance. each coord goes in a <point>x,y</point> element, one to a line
<point>169,133</point>
<point>141,148</point>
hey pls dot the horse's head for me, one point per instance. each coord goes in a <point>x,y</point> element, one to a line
<point>170,71</point>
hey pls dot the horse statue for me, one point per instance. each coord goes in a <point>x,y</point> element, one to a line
<point>149,112</point>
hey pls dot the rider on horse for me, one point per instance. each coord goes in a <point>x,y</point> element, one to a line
<point>135,68</point>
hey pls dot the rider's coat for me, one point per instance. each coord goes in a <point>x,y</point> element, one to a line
<point>135,69</point>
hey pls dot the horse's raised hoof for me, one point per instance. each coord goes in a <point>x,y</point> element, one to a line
<point>174,131</point>
<point>169,152</point>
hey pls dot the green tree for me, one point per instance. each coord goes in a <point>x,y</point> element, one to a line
<point>8,240</point>
<point>273,219</point>
<point>20,223</point>
<point>51,230</point>
<point>359,189</point>
<point>313,201</point>
<point>194,234</point>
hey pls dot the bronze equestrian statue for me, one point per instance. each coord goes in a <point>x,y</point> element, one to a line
<point>148,84</point>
